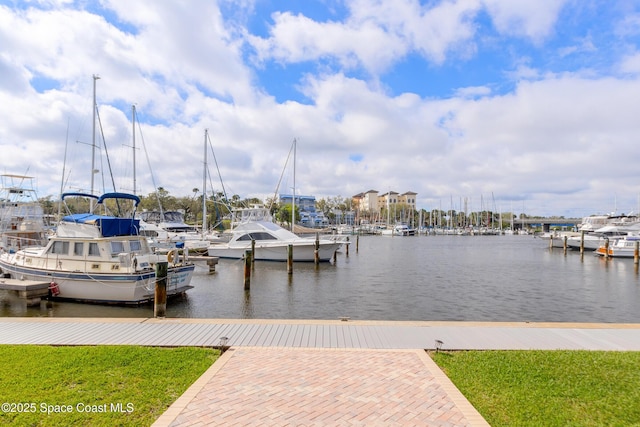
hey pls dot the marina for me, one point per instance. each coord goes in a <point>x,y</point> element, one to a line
<point>413,278</point>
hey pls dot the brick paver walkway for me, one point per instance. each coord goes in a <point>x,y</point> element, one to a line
<point>253,386</point>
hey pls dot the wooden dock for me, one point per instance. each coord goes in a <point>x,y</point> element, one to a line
<point>336,334</point>
<point>29,290</point>
<point>211,261</point>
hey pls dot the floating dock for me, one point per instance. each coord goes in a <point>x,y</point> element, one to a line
<point>31,291</point>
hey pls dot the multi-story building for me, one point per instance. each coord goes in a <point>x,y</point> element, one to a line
<point>366,202</point>
<point>371,204</point>
<point>307,208</point>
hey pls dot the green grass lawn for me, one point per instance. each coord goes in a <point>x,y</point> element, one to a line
<point>95,386</point>
<point>133,386</point>
<point>548,388</point>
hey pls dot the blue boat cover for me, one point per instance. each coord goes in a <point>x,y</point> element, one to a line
<point>109,226</point>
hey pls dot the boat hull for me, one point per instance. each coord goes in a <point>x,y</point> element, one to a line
<point>117,288</point>
<point>302,251</point>
<point>622,248</point>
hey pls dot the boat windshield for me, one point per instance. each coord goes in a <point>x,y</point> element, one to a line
<point>257,235</point>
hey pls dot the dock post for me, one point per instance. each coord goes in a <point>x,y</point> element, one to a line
<point>211,262</point>
<point>247,270</point>
<point>253,253</point>
<point>335,256</point>
<point>347,245</point>
<point>357,242</point>
<point>160,297</point>
<point>316,252</point>
<point>606,248</point>
<point>635,252</point>
<point>581,242</point>
<point>290,259</point>
<point>564,244</point>
<point>551,241</point>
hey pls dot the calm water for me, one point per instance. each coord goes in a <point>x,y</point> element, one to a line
<point>491,278</point>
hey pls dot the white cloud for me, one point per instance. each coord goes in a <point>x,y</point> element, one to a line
<point>630,64</point>
<point>533,19</point>
<point>556,136</point>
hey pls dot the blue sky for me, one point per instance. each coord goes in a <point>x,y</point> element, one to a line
<point>529,103</point>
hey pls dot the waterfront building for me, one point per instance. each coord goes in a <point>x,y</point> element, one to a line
<point>306,205</point>
<point>370,205</point>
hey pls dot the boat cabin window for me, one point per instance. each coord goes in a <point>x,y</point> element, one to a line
<point>135,245</point>
<point>117,247</point>
<point>78,248</point>
<point>93,249</point>
<point>258,235</point>
<point>59,247</point>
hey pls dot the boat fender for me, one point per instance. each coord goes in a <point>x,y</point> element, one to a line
<point>172,256</point>
<point>54,289</point>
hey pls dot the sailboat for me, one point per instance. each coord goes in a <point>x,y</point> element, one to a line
<point>99,256</point>
<point>253,227</point>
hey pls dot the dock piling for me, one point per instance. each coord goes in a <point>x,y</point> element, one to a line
<point>253,253</point>
<point>160,297</point>
<point>212,262</point>
<point>248,255</point>
<point>290,259</point>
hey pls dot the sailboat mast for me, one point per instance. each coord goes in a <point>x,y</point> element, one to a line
<point>93,139</point>
<point>293,199</point>
<point>204,185</point>
<point>133,132</point>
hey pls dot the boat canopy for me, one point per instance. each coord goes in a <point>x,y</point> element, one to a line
<point>65,195</point>
<point>109,226</point>
<point>106,196</point>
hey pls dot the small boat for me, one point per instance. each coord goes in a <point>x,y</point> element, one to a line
<point>271,241</point>
<point>166,230</point>
<point>399,230</point>
<point>623,247</point>
<point>22,220</point>
<point>99,258</point>
<point>557,238</point>
<point>403,230</point>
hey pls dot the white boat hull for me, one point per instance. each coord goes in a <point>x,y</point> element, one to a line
<point>622,248</point>
<point>118,288</point>
<point>303,250</point>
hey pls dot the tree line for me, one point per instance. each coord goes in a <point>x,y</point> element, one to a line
<point>334,209</point>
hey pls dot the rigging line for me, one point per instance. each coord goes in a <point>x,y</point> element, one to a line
<point>282,174</point>
<point>215,160</point>
<point>64,167</point>
<point>153,180</point>
<point>106,152</point>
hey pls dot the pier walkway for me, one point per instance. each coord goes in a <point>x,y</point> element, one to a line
<point>317,373</point>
